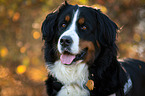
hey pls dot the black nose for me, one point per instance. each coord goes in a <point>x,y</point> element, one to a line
<point>66,41</point>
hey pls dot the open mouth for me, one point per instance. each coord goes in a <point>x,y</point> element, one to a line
<point>67,58</point>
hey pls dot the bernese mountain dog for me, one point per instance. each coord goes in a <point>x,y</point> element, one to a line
<point>81,55</point>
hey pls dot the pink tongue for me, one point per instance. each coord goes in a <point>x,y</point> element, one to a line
<point>67,59</point>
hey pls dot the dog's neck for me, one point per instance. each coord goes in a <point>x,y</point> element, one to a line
<point>70,74</point>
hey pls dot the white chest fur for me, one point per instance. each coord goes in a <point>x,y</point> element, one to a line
<point>73,77</point>
<point>76,73</point>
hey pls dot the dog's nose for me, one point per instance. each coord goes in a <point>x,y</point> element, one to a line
<point>66,41</point>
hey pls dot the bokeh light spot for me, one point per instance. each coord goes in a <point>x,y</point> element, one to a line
<point>4,52</point>
<point>23,50</point>
<point>16,16</point>
<point>36,35</point>
<point>21,69</point>
<point>26,61</point>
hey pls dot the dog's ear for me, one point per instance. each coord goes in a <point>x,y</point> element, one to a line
<point>66,3</point>
<point>107,29</point>
<point>47,26</point>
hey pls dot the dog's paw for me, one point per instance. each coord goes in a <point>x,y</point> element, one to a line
<point>73,90</point>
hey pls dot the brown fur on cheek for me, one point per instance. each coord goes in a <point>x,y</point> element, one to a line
<point>90,56</point>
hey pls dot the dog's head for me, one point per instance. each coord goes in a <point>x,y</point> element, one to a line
<point>77,33</point>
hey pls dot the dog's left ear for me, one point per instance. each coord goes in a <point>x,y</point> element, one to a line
<point>47,26</point>
<point>107,29</point>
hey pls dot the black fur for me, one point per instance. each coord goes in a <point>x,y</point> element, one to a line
<point>108,75</point>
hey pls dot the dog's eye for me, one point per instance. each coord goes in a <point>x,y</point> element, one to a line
<point>83,27</point>
<point>63,25</point>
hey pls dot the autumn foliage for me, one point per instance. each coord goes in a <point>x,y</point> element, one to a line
<point>22,67</point>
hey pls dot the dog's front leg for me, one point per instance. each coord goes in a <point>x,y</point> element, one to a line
<point>52,86</point>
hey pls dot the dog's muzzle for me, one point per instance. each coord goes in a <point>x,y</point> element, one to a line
<point>66,46</point>
<point>66,42</point>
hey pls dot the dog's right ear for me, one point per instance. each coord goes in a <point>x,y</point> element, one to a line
<point>48,26</point>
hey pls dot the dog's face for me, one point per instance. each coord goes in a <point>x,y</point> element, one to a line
<point>77,39</point>
<point>75,33</point>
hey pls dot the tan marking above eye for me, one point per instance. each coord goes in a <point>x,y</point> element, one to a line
<point>81,21</point>
<point>67,18</point>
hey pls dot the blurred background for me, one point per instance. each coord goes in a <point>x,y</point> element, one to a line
<point>22,67</point>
